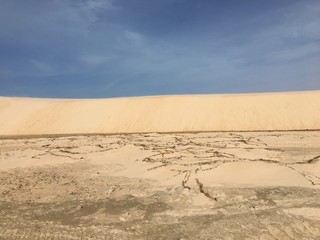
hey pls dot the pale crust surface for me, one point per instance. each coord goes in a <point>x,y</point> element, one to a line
<point>253,185</point>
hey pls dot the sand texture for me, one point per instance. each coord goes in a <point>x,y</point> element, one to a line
<point>242,112</point>
<point>169,167</point>
<point>253,185</point>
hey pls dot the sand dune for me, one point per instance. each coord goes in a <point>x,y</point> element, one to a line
<point>241,112</point>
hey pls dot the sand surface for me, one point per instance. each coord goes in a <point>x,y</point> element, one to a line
<point>127,168</point>
<point>242,112</point>
<point>239,185</point>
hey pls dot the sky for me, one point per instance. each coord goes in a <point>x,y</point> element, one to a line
<point>120,48</point>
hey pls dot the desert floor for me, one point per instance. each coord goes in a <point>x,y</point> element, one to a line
<point>218,185</point>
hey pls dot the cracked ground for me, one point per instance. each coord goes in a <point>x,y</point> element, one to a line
<point>247,185</point>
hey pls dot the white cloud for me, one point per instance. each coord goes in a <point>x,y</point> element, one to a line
<point>134,37</point>
<point>99,4</point>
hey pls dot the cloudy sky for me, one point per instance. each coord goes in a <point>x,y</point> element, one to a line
<point>115,48</point>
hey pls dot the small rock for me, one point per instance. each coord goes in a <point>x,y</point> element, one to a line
<point>111,190</point>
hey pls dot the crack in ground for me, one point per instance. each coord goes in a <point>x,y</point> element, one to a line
<point>205,193</point>
<point>186,179</point>
<point>309,161</point>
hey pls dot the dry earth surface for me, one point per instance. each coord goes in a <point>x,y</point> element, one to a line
<point>245,185</point>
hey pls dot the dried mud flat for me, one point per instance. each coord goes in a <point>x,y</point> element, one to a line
<point>258,185</point>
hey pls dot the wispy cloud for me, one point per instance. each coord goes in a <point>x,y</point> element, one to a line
<point>99,4</point>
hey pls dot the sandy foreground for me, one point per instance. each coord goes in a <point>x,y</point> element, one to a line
<point>206,185</point>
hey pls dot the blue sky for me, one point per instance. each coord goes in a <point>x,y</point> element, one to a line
<point>115,48</point>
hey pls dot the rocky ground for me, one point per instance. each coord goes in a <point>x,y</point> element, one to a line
<point>258,185</point>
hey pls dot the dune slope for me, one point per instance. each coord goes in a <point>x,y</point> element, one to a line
<point>239,112</point>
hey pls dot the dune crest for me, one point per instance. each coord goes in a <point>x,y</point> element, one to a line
<point>184,113</point>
